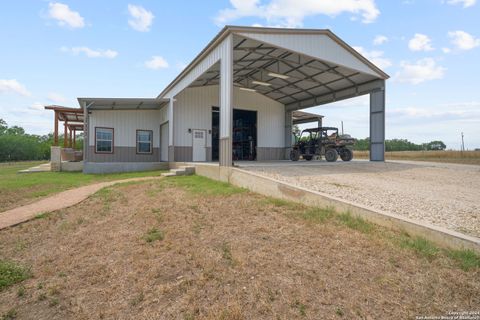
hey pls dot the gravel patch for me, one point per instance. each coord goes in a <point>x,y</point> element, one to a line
<point>446,195</point>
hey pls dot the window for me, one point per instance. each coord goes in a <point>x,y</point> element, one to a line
<point>104,140</point>
<point>144,141</point>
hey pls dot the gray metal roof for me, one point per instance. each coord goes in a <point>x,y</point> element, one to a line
<point>308,77</point>
<point>122,103</point>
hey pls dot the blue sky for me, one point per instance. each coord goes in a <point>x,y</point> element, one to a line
<point>53,52</point>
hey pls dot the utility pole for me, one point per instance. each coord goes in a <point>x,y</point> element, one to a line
<point>463,144</point>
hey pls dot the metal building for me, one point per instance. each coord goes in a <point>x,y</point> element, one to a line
<point>239,93</point>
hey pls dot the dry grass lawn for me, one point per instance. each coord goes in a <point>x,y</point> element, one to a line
<point>188,248</point>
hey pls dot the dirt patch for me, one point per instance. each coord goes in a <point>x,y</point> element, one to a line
<point>236,256</point>
<point>12,199</point>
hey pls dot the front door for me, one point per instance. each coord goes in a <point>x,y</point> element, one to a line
<point>199,145</point>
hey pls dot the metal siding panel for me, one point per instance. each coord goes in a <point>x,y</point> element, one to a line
<point>184,154</point>
<point>125,124</point>
<point>317,46</point>
<point>193,110</point>
<point>377,127</point>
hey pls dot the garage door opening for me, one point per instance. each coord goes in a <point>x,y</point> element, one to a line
<point>244,134</point>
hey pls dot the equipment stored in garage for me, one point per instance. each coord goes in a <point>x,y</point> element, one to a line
<point>322,141</point>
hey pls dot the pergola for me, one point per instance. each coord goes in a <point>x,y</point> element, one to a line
<point>300,68</point>
<point>72,118</point>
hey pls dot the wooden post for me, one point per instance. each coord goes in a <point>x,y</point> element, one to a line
<point>70,138</point>
<point>74,138</point>
<point>65,138</point>
<point>55,132</point>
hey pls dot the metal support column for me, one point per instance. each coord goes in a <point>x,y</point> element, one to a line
<point>288,133</point>
<point>226,102</point>
<point>377,124</point>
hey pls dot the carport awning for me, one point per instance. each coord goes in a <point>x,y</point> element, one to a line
<point>273,67</point>
<point>122,103</point>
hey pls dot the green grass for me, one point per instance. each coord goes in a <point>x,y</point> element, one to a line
<point>467,259</point>
<point>317,215</point>
<point>355,222</point>
<point>40,184</point>
<point>11,273</point>
<point>42,215</point>
<point>153,235</point>
<point>204,186</point>
<point>420,245</point>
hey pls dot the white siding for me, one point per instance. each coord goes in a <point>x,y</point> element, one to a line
<point>314,45</point>
<point>193,110</point>
<point>208,61</point>
<point>125,124</point>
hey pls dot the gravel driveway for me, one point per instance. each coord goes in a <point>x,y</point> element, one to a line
<point>446,195</point>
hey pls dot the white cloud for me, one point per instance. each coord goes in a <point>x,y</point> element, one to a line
<point>37,106</point>
<point>13,85</point>
<point>64,16</point>
<point>56,97</point>
<point>463,41</point>
<point>446,50</point>
<point>141,19</point>
<point>291,13</point>
<point>465,3</point>
<point>375,56</point>
<point>380,40</point>
<point>156,63</point>
<point>420,71</point>
<point>99,53</point>
<point>420,42</point>
<point>443,112</point>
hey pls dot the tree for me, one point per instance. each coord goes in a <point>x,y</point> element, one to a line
<point>15,130</point>
<point>436,145</point>
<point>362,144</point>
<point>296,130</point>
<point>3,126</point>
<point>401,145</point>
<point>16,145</point>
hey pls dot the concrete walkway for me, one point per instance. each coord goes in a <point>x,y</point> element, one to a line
<point>58,201</point>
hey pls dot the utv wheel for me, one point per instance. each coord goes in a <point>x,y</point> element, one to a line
<point>294,155</point>
<point>331,155</point>
<point>308,158</point>
<point>346,154</point>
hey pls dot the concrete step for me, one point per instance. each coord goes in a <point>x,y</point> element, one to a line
<point>188,169</point>
<point>40,168</point>
<point>180,171</point>
<point>168,174</point>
